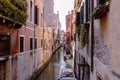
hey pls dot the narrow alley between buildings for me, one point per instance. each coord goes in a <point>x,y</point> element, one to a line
<point>54,68</point>
<point>59,40</point>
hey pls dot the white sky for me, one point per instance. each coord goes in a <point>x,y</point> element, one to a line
<point>63,6</point>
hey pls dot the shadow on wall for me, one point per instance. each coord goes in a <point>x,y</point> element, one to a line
<point>104,20</point>
<point>104,23</point>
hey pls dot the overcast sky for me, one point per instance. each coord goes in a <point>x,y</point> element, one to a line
<point>63,6</point>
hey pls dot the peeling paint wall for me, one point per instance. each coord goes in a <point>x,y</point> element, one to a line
<point>101,50</point>
<point>106,45</point>
<point>27,64</point>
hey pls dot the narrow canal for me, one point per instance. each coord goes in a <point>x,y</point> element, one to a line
<point>53,69</point>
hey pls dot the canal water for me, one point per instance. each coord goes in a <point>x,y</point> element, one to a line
<point>53,69</point>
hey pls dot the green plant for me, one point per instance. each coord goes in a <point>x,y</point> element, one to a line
<point>99,11</point>
<point>21,4</point>
<point>94,11</point>
<point>9,10</point>
<point>83,33</point>
<point>78,31</point>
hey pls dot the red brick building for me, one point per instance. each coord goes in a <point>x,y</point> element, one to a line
<point>68,27</point>
<point>24,46</point>
<point>21,45</point>
<point>68,32</point>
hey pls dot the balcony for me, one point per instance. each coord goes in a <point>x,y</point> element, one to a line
<point>12,15</point>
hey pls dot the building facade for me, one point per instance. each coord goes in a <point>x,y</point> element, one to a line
<point>62,37</point>
<point>49,16</point>
<point>24,46</point>
<point>56,29</point>
<point>73,25</point>
<point>12,18</point>
<point>68,32</point>
<point>68,27</point>
<point>97,45</point>
<point>30,54</point>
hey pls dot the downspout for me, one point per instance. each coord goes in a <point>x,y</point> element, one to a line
<point>34,35</point>
<point>43,30</point>
<point>92,37</point>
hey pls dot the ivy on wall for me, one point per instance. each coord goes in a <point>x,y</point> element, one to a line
<point>11,11</point>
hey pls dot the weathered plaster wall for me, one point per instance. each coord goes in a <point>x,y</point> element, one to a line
<point>107,43</point>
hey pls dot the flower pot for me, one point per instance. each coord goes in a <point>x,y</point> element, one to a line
<point>102,11</point>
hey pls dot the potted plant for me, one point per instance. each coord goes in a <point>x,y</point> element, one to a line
<point>102,10</point>
<point>99,11</point>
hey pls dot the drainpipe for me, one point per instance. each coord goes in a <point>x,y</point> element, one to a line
<point>92,37</point>
<point>34,36</point>
<point>43,31</point>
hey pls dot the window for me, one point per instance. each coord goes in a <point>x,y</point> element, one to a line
<point>82,14</point>
<point>77,19</point>
<point>87,5</point>
<point>4,45</point>
<point>102,2</point>
<point>36,15</point>
<point>31,4</point>
<point>42,43</point>
<point>35,43</point>
<point>45,45</point>
<point>21,44</point>
<point>41,20</point>
<point>31,43</point>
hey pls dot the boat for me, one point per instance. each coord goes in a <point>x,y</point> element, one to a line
<point>67,74</point>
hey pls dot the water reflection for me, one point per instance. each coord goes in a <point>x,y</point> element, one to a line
<point>53,70</point>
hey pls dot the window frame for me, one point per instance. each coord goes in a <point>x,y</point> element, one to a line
<point>35,43</point>
<point>31,47</point>
<point>8,41</point>
<point>87,10</point>
<point>36,13</point>
<point>101,2</point>
<point>31,11</point>
<point>23,43</point>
